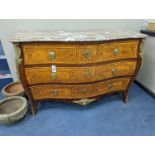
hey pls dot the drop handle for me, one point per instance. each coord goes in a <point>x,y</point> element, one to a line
<point>54,75</point>
<point>86,54</point>
<point>110,86</point>
<point>114,70</point>
<point>116,51</point>
<point>85,91</point>
<point>87,73</point>
<point>54,92</point>
<point>52,55</point>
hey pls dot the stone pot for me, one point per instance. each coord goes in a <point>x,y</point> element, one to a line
<point>12,109</point>
<point>13,89</point>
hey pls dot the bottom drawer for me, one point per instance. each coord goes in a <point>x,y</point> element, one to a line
<point>55,91</point>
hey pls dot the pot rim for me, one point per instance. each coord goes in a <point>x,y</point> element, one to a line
<point>17,111</point>
<point>8,85</point>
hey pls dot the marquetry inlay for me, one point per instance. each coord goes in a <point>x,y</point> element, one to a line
<point>79,66</point>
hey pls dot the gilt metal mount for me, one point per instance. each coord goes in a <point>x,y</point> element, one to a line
<point>141,53</point>
<point>85,101</point>
<point>18,57</point>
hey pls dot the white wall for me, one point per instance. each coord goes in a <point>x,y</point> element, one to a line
<point>9,27</point>
<point>146,75</point>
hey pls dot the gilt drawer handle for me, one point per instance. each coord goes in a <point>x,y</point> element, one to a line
<point>84,91</point>
<point>116,51</point>
<point>54,76</point>
<point>51,55</point>
<point>54,92</point>
<point>110,86</point>
<point>86,54</point>
<point>87,74</point>
<point>114,70</point>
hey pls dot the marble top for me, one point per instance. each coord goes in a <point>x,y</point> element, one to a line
<point>71,36</point>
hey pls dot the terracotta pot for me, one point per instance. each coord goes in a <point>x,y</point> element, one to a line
<point>13,89</point>
<point>12,109</point>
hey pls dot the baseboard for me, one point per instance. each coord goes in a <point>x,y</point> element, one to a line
<point>145,89</point>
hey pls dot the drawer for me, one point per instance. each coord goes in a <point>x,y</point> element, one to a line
<point>116,69</point>
<point>55,91</point>
<point>117,50</point>
<point>109,86</point>
<point>47,53</point>
<point>58,53</point>
<point>86,53</point>
<point>36,75</point>
<point>76,53</point>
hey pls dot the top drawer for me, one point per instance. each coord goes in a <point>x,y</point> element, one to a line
<point>76,53</point>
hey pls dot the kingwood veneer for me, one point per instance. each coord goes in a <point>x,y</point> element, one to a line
<point>78,67</point>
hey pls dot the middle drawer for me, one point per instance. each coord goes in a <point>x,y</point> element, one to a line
<point>36,75</point>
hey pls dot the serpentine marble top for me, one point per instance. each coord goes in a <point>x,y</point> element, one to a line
<point>71,36</point>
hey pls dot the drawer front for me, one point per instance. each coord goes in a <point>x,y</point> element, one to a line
<point>76,53</point>
<point>85,91</point>
<point>46,53</point>
<point>53,91</point>
<point>117,50</point>
<point>121,68</point>
<point>111,86</point>
<point>86,53</point>
<point>36,75</point>
<point>78,91</point>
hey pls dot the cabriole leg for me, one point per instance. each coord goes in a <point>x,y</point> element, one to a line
<point>125,96</point>
<point>34,107</point>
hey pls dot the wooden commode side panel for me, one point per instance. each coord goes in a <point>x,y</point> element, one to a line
<point>78,91</point>
<point>36,75</point>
